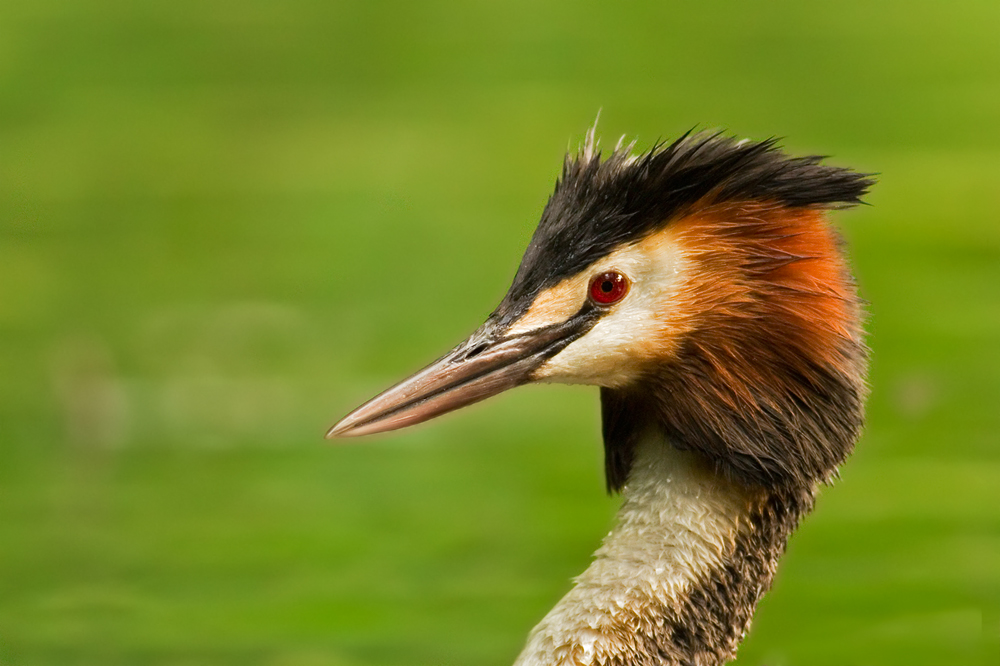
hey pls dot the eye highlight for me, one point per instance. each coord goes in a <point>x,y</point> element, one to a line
<point>608,288</point>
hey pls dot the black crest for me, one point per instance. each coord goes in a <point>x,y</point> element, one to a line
<point>599,204</point>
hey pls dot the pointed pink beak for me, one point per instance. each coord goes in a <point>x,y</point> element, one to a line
<point>485,364</point>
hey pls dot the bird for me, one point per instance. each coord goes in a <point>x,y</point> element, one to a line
<point>701,285</point>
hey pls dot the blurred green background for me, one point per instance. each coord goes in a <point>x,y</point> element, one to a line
<point>222,225</point>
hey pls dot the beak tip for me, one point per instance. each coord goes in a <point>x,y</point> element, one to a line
<point>339,430</point>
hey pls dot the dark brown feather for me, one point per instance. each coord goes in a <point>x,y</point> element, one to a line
<point>769,382</point>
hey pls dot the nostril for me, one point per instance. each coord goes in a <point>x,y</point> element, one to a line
<point>477,350</point>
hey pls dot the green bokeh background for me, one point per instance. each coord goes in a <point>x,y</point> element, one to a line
<point>224,224</point>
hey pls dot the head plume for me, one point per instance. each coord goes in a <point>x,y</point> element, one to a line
<point>768,379</point>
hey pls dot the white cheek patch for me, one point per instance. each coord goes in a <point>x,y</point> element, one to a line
<point>632,331</point>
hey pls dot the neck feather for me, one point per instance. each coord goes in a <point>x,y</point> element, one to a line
<point>677,579</point>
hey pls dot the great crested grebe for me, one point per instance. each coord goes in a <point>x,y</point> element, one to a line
<point>701,287</point>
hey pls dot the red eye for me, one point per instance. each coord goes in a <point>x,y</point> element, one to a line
<point>608,288</point>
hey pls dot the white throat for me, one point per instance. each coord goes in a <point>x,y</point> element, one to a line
<point>678,521</point>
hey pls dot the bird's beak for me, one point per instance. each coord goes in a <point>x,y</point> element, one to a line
<point>485,364</point>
